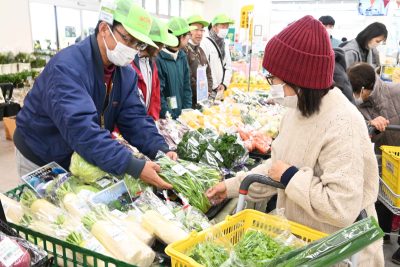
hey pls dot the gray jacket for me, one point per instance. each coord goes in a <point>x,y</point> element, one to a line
<point>355,54</point>
<point>384,101</point>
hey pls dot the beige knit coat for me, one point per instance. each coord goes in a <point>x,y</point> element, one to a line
<point>338,171</point>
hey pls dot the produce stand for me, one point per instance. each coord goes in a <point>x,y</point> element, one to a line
<point>65,254</point>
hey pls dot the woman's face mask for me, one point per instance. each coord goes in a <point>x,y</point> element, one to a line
<point>121,55</point>
<point>375,42</point>
<point>277,91</point>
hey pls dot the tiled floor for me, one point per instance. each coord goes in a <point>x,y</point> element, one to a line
<point>9,179</point>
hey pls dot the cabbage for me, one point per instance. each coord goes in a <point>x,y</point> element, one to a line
<point>86,172</point>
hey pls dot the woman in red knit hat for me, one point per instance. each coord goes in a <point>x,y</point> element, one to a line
<point>323,154</point>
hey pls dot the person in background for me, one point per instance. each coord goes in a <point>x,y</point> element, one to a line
<point>83,92</point>
<point>329,24</point>
<point>146,68</point>
<point>363,47</point>
<point>379,102</point>
<point>196,56</point>
<point>329,183</point>
<point>340,76</point>
<point>218,55</point>
<point>174,73</point>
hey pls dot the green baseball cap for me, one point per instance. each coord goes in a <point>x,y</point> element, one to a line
<point>179,26</point>
<point>221,19</point>
<point>197,19</point>
<point>159,33</point>
<point>136,20</point>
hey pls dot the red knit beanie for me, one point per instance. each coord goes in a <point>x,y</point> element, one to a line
<point>301,54</point>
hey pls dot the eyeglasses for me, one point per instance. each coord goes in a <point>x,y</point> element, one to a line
<point>270,79</point>
<point>132,43</point>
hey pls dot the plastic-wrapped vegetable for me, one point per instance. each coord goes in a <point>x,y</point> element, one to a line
<point>17,252</point>
<point>231,150</point>
<point>71,202</point>
<point>172,131</point>
<point>123,246</point>
<point>134,185</point>
<point>84,170</point>
<point>167,231</point>
<point>188,184</point>
<point>209,254</point>
<point>335,247</point>
<point>12,209</point>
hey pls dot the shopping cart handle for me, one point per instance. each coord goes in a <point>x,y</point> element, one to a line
<point>373,131</point>
<point>257,178</point>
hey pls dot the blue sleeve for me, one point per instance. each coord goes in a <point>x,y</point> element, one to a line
<point>163,84</point>
<point>187,93</point>
<point>73,112</point>
<point>137,127</point>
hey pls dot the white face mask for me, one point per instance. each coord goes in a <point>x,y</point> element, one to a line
<point>122,55</point>
<point>373,45</point>
<point>290,101</point>
<point>276,91</point>
<point>222,33</point>
<point>358,101</point>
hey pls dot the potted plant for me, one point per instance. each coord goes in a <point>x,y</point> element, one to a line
<point>8,65</point>
<point>38,64</point>
<point>24,61</point>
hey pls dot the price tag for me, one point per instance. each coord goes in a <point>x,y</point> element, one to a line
<point>10,252</point>
<point>115,233</point>
<point>179,169</point>
<point>172,102</point>
<point>193,142</point>
<point>119,214</point>
<point>193,167</point>
<point>103,183</point>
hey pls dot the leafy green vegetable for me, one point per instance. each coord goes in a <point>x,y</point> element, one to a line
<point>134,185</point>
<point>209,254</point>
<point>229,148</point>
<point>257,249</point>
<point>192,181</point>
<point>87,172</point>
<point>192,146</point>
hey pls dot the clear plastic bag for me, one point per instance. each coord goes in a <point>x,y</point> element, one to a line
<point>335,247</point>
<point>214,251</point>
<point>18,252</point>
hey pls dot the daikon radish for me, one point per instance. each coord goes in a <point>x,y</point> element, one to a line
<point>164,229</point>
<point>40,206</point>
<point>12,209</point>
<point>71,202</point>
<point>123,246</point>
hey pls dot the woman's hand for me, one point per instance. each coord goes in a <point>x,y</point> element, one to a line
<point>277,169</point>
<point>217,193</point>
<point>380,123</point>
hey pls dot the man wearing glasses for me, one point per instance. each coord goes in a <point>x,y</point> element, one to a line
<point>196,56</point>
<point>82,93</point>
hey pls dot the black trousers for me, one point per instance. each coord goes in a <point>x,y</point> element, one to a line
<point>385,217</point>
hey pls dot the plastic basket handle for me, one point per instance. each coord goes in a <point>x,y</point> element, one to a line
<point>249,180</point>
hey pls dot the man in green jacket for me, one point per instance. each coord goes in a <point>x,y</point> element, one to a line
<point>174,73</point>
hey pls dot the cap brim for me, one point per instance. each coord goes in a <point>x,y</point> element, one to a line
<point>140,36</point>
<point>171,40</point>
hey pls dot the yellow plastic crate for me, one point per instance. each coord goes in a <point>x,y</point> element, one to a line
<point>390,171</point>
<point>233,228</point>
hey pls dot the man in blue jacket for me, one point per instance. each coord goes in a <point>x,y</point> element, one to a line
<point>84,91</point>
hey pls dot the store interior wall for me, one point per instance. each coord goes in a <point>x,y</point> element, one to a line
<point>15,32</point>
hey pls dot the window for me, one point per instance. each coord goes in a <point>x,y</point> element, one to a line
<point>69,25</point>
<point>163,7</point>
<point>175,8</point>
<point>151,6</point>
<point>43,26</point>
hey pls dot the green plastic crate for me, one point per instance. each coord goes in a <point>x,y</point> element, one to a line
<point>65,254</point>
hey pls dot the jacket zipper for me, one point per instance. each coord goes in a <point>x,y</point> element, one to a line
<point>106,105</point>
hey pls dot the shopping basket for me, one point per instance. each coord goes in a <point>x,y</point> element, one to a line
<point>233,228</point>
<point>65,254</point>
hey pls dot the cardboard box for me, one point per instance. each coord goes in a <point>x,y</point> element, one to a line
<point>9,126</point>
